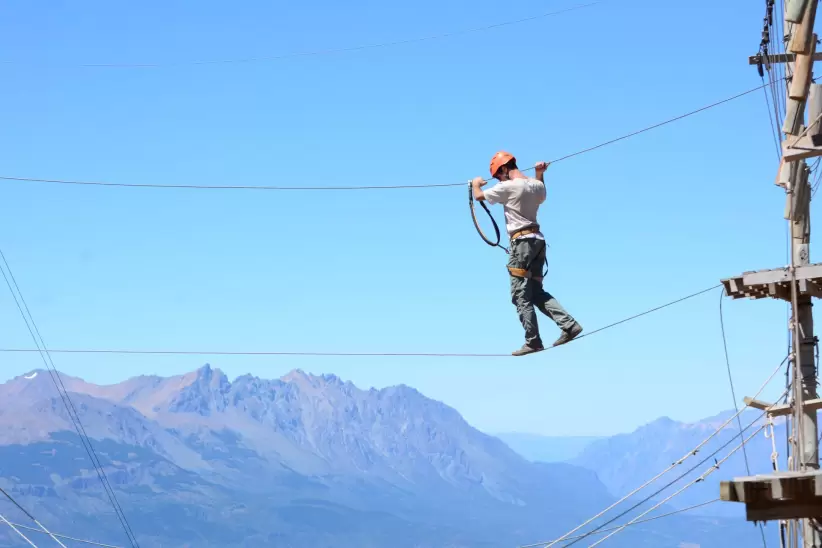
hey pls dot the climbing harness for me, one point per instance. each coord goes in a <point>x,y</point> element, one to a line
<point>517,272</point>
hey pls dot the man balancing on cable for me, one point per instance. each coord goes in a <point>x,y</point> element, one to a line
<point>521,197</point>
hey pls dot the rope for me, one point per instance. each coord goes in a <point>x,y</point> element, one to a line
<point>647,312</point>
<point>318,52</point>
<point>476,223</point>
<point>16,530</point>
<point>370,187</point>
<point>694,451</point>
<point>32,518</point>
<point>731,379</point>
<point>354,354</point>
<point>774,133</point>
<point>73,539</point>
<point>707,473</point>
<point>658,491</point>
<point>669,514</point>
<point>736,405</point>
<point>40,345</point>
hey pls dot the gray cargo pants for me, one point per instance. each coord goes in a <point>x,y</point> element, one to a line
<point>527,293</point>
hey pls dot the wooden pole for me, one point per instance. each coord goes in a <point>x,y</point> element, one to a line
<point>804,426</point>
<point>804,337</point>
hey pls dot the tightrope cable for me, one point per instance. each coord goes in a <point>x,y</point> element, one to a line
<point>694,451</point>
<point>736,405</point>
<point>353,354</point>
<point>675,480</point>
<point>366,187</point>
<point>315,52</point>
<point>31,517</point>
<point>701,478</point>
<point>16,530</point>
<point>40,347</point>
<point>74,539</point>
<point>646,520</point>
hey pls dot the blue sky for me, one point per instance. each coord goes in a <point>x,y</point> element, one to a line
<point>631,225</point>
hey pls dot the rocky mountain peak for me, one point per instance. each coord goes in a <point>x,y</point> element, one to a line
<point>204,392</point>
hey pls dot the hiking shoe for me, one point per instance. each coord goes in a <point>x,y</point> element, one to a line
<point>527,350</point>
<point>569,335</point>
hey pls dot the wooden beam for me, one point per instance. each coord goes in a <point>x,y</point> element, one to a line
<point>781,58</point>
<point>798,204</point>
<point>794,117</point>
<point>779,495</point>
<point>799,149</point>
<point>803,32</point>
<point>795,10</point>
<point>775,283</point>
<point>781,510</point>
<point>756,404</point>
<point>802,73</point>
<point>783,175</point>
<point>782,274</point>
<point>782,409</point>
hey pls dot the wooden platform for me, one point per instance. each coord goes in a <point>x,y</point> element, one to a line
<point>781,495</point>
<point>775,283</point>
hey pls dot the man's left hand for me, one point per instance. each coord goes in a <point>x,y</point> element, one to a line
<point>479,181</point>
<point>540,167</point>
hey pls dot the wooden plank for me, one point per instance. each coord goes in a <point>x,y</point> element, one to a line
<point>767,276</point>
<point>771,496</point>
<point>756,404</point>
<point>795,10</point>
<point>781,58</point>
<point>782,275</point>
<point>794,117</point>
<point>801,189</point>
<point>803,32</point>
<point>779,510</point>
<point>727,492</point>
<point>783,175</point>
<point>814,404</point>
<point>798,149</point>
<point>810,272</point>
<point>802,74</point>
<point>775,488</point>
<point>782,409</point>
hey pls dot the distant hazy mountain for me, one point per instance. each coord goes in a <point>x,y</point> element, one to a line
<point>538,448</point>
<point>197,460</point>
<point>626,461</point>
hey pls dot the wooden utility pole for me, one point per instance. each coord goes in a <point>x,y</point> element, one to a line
<point>795,495</point>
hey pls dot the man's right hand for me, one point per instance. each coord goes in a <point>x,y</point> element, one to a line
<point>476,188</point>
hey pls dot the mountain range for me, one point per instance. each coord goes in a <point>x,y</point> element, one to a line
<point>625,461</point>
<point>304,460</point>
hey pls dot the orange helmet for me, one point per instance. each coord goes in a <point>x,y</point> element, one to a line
<point>500,159</point>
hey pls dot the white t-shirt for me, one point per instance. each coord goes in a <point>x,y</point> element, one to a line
<point>521,199</point>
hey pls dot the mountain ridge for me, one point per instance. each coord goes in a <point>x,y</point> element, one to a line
<point>282,453</point>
